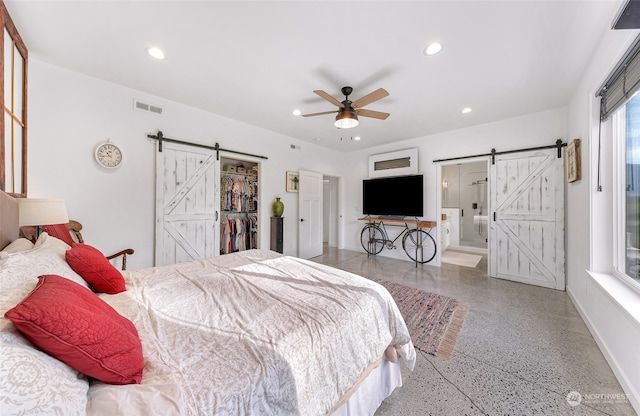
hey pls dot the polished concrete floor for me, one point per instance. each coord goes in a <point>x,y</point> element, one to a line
<point>523,350</point>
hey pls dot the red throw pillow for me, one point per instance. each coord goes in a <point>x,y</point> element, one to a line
<point>74,325</point>
<point>95,269</point>
<point>59,231</point>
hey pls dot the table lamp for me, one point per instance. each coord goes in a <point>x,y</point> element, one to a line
<point>41,211</point>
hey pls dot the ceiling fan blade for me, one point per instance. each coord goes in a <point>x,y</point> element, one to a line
<point>373,114</point>
<point>320,114</point>
<point>369,98</point>
<point>329,98</point>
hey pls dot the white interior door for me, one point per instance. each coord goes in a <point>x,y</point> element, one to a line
<point>310,214</point>
<point>187,204</point>
<point>527,230</point>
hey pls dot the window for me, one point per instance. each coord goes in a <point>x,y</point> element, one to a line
<point>627,190</point>
<point>401,162</point>
<point>13,97</point>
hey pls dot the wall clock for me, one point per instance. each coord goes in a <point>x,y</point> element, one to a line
<point>108,155</point>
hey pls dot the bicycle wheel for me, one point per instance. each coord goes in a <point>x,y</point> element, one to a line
<point>419,246</point>
<point>372,239</point>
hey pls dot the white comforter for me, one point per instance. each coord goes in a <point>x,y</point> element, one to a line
<point>251,333</point>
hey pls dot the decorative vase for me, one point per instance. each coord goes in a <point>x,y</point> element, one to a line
<point>277,207</point>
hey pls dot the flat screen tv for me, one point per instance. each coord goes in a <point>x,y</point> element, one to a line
<point>396,196</point>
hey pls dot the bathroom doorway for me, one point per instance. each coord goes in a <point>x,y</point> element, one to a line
<point>465,205</point>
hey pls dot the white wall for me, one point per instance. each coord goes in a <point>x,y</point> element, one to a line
<point>538,129</point>
<point>70,113</point>
<point>599,297</point>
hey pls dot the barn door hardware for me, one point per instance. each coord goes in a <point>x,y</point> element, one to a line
<point>559,145</point>
<point>160,138</point>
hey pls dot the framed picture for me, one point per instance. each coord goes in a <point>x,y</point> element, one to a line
<point>572,161</point>
<point>292,181</point>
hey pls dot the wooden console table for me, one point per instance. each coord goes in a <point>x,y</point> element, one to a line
<point>418,224</point>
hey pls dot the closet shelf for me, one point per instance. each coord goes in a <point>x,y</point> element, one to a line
<point>253,175</point>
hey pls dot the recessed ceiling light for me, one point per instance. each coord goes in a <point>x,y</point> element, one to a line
<point>356,138</point>
<point>432,49</point>
<point>466,110</point>
<point>296,112</point>
<point>155,52</point>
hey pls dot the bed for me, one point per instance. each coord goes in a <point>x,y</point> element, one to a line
<point>250,333</point>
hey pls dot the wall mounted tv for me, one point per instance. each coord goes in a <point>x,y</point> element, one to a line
<point>396,196</point>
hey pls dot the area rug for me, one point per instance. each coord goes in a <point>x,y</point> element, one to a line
<point>434,321</point>
<point>460,259</point>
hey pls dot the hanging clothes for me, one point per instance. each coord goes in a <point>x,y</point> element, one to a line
<point>238,233</point>
<point>238,193</point>
<point>239,203</point>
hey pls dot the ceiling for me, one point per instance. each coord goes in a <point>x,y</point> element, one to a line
<point>258,61</point>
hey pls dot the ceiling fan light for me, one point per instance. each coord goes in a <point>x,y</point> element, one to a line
<point>346,120</point>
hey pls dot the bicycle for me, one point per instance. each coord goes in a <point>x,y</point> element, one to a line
<point>417,243</point>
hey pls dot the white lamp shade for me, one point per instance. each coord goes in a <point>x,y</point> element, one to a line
<point>42,211</point>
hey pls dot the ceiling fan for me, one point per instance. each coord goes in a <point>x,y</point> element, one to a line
<point>348,111</point>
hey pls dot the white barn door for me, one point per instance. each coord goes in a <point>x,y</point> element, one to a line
<point>187,204</point>
<point>310,212</point>
<point>526,233</point>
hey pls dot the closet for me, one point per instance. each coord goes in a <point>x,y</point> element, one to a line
<point>238,205</point>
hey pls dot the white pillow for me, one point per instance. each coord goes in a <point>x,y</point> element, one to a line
<point>30,380</point>
<point>21,244</point>
<point>19,274</point>
<point>43,238</point>
<point>33,382</point>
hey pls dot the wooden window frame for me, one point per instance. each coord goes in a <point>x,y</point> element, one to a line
<point>7,23</point>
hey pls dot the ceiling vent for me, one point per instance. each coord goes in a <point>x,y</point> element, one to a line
<point>139,105</point>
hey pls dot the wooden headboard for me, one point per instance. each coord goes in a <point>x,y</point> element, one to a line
<point>9,228</point>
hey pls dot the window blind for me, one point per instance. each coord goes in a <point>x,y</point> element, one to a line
<point>623,82</point>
